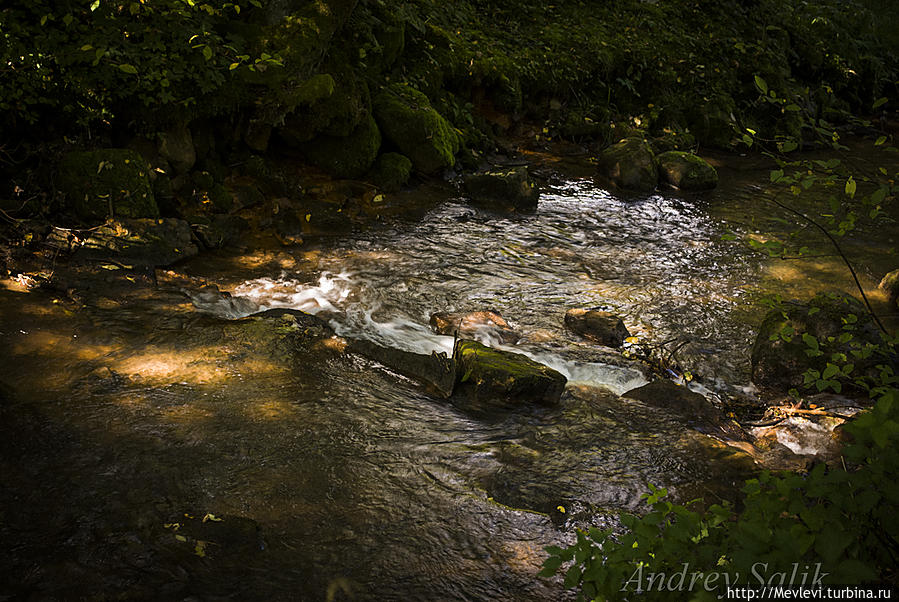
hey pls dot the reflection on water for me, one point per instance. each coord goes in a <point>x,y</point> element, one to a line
<point>134,420</point>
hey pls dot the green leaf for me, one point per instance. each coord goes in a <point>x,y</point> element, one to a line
<point>761,84</point>
<point>233,66</point>
<point>95,5</point>
<point>879,102</point>
<point>207,52</point>
<point>776,175</point>
<point>550,566</point>
<point>128,68</point>
<point>789,146</point>
<point>850,187</point>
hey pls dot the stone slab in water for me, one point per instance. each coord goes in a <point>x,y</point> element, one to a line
<point>601,326</point>
<point>436,372</point>
<point>487,374</point>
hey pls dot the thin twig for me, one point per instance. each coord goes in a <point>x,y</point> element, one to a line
<point>842,256</point>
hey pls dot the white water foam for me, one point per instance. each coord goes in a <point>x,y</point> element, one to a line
<point>350,307</point>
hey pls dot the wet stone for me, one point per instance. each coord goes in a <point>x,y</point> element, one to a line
<point>601,326</point>
<point>688,405</point>
<point>487,374</point>
<point>484,324</point>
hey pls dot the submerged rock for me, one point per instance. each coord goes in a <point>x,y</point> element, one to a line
<point>804,336</point>
<point>105,183</point>
<point>436,372</point>
<point>601,326</point>
<point>140,242</point>
<point>690,406</point>
<point>630,164</point>
<point>890,286</point>
<point>487,374</point>
<point>510,186</point>
<point>486,323</point>
<point>687,171</point>
<point>407,119</point>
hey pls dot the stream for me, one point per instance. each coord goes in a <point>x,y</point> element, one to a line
<point>141,461</point>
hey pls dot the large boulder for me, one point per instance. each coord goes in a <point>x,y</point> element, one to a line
<point>689,406</point>
<point>487,374</point>
<point>511,186</point>
<point>105,183</point>
<point>139,242</point>
<point>804,336</point>
<point>686,171</point>
<point>176,145</point>
<point>346,156</point>
<point>415,128</point>
<point>630,164</point>
<point>485,324</point>
<point>601,326</point>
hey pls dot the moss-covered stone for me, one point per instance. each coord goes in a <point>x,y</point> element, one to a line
<point>630,164</point>
<point>392,171</point>
<point>145,242</point>
<point>779,355</point>
<point>687,171</point>
<point>346,157</point>
<point>107,183</point>
<point>324,104</point>
<point>487,374</point>
<point>510,186</point>
<point>418,131</point>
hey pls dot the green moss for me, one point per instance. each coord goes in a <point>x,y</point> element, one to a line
<point>419,132</point>
<point>108,182</point>
<point>346,156</point>
<point>484,373</point>
<point>630,164</point>
<point>687,171</point>
<point>392,171</point>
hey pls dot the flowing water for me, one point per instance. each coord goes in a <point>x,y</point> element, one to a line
<point>128,423</point>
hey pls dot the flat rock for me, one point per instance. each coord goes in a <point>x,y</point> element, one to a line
<point>487,374</point>
<point>507,187</point>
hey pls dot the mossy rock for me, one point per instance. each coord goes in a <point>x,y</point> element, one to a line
<point>687,171</point>
<point>346,156</point>
<point>781,353</point>
<point>108,181</point>
<point>487,374</point>
<point>510,186</point>
<point>630,164</point>
<point>392,171</point>
<point>418,131</point>
<point>140,242</point>
<point>325,104</point>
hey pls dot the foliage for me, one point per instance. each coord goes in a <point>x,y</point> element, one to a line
<point>92,60</point>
